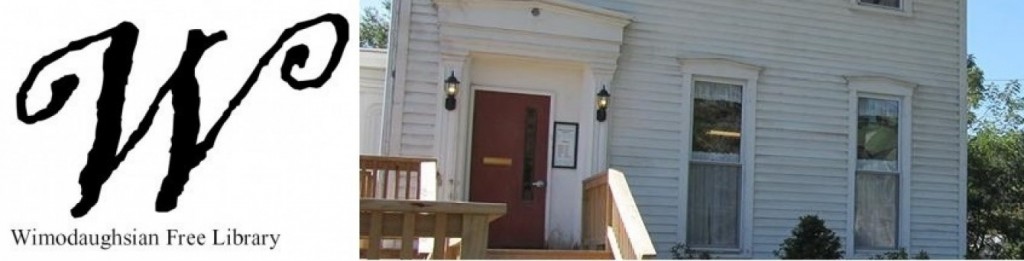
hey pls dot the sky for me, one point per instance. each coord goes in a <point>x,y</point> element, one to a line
<point>995,35</point>
<point>374,3</point>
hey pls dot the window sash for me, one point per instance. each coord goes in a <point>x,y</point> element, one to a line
<point>715,179</point>
<point>876,218</point>
<point>713,207</point>
<point>877,175</point>
<point>717,121</point>
<point>878,134</point>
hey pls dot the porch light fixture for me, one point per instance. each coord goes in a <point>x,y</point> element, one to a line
<point>602,104</point>
<point>451,87</point>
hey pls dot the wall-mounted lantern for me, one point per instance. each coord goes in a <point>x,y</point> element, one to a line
<point>602,104</point>
<point>451,87</point>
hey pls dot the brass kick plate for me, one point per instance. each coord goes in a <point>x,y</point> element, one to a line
<point>497,161</point>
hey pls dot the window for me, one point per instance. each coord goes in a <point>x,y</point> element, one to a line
<point>896,4</point>
<point>877,173</point>
<point>713,208</point>
<point>893,7</point>
<point>717,171</point>
<point>879,164</point>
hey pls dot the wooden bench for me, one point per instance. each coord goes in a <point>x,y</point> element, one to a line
<point>408,220</point>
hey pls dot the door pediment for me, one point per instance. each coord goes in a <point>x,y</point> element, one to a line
<point>552,17</point>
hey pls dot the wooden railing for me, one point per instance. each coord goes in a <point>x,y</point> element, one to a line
<point>411,219</point>
<point>395,177</point>
<point>611,219</point>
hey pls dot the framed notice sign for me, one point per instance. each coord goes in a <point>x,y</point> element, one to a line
<point>564,145</point>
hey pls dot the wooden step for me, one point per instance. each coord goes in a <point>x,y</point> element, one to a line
<point>547,254</point>
<point>392,254</point>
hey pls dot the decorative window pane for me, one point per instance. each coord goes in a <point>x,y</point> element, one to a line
<point>876,211</point>
<point>714,200</point>
<point>886,3</point>
<point>878,135</point>
<point>717,113</point>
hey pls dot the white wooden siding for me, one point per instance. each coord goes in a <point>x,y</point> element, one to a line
<point>372,67</point>
<point>802,109</point>
<point>801,150</point>
<point>419,84</point>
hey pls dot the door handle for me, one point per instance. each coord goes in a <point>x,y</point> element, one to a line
<point>538,184</point>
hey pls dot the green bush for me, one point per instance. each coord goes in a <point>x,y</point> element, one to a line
<point>922,255</point>
<point>682,251</point>
<point>901,254</point>
<point>811,240</point>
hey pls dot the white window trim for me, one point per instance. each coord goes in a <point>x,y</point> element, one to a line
<point>906,8</point>
<point>733,72</point>
<point>887,88</point>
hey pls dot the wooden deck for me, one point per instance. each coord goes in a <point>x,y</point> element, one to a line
<point>413,219</point>
<point>391,177</point>
<point>398,204</point>
<point>534,254</point>
<point>395,209</point>
<point>611,219</point>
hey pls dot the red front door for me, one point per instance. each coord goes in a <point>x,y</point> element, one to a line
<point>509,164</point>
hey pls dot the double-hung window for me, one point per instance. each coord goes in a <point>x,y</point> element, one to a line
<point>713,207</point>
<point>878,173</point>
<point>880,162</point>
<point>717,171</point>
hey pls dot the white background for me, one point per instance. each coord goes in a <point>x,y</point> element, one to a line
<point>280,165</point>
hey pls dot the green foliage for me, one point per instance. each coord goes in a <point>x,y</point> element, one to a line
<point>901,254</point>
<point>975,87</point>
<point>995,161</point>
<point>922,255</point>
<point>1002,108</point>
<point>993,106</point>
<point>682,251</point>
<point>811,240</point>
<point>995,213</point>
<point>374,25</point>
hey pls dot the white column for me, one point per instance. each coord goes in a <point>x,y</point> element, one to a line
<point>600,137</point>
<point>449,139</point>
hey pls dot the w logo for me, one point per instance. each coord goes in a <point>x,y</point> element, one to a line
<point>187,151</point>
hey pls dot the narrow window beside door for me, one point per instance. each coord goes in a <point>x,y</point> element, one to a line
<point>713,208</point>
<point>878,173</point>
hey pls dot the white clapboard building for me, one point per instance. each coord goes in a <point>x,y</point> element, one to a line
<point>729,119</point>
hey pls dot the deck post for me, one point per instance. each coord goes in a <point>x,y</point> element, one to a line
<point>474,237</point>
